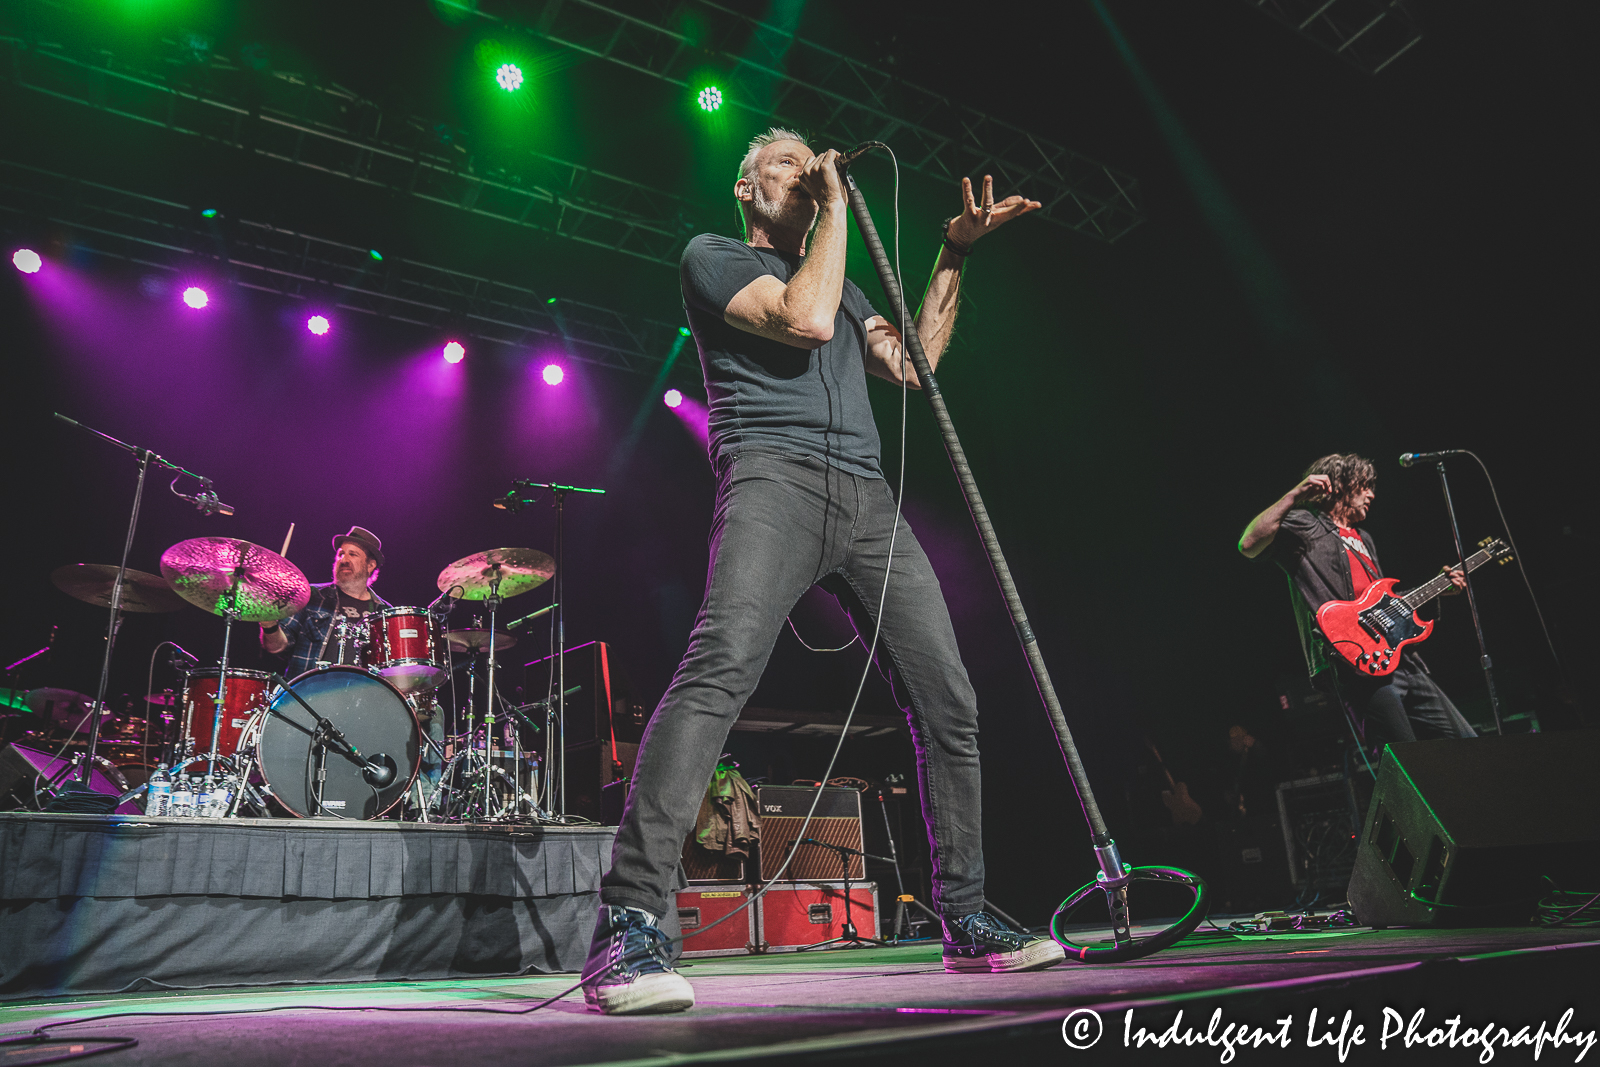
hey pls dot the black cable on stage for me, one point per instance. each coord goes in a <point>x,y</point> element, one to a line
<point>844,731</point>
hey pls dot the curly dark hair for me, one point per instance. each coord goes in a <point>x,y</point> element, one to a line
<point>1348,473</point>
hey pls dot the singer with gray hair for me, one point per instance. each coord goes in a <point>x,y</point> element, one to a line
<point>786,342</point>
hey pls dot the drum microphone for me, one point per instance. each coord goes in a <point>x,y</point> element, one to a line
<point>529,618</point>
<point>182,657</point>
<point>1409,458</point>
<point>205,501</point>
<point>380,770</point>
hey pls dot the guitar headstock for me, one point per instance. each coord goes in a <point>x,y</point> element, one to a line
<point>1497,549</point>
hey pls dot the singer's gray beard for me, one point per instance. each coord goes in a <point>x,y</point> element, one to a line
<point>782,213</point>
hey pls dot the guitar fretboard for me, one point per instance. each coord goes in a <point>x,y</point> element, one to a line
<point>1434,586</point>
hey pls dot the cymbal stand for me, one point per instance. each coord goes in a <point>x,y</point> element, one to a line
<point>230,611</point>
<point>145,458</point>
<point>493,603</point>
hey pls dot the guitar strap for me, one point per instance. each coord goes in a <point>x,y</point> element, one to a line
<point>1366,564</point>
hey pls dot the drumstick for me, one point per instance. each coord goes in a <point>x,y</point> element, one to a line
<point>284,551</point>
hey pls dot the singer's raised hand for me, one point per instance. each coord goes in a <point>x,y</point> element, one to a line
<point>978,218</point>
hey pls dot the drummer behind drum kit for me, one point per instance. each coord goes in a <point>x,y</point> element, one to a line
<point>343,740</point>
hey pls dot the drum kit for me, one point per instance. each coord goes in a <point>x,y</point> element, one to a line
<point>346,739</point>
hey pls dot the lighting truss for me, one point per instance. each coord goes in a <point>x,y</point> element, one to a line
<point>170,237</point>
<point>1368,34</point>
<point>791,81</point>
<point>324,127</point>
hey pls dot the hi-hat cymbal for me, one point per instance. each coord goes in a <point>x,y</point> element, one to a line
<point>519,570</point>
<point>66,706</point>
<point>92,582</point>
<point>478,640</point>
<point>165,700</point>
<point>218,572</point>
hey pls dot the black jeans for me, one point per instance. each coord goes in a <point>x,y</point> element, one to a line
<point>784,523</point>
<point>1405,706</point>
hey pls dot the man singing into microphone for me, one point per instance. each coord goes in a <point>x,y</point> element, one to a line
<point>1327,558</point>
<point>786,343</point>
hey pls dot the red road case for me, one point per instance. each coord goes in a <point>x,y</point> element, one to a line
<point>797,914</point>
<point>702,905</point>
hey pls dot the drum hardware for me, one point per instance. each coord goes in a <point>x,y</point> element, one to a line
<point>478,640</point>
<point>405,647</point>
<point>239,581</point>
<point>120,592</point>
<point>493,576</point>
<point>518,497</point>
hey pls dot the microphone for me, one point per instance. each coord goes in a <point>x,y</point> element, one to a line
<point>529,618</point>
<point>208,504</point>
<point>857,152</point>
<point>1409,458</point>
<point>512,501</point>
<point>379,770</point>
<point>182,657</point>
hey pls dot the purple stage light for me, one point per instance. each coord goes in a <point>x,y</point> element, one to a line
<point>553,374</point>
<point>318,325</point>
<point>455,352</point>
<point>26,260</point>
<point>196,297</point>
<point>672,398</point>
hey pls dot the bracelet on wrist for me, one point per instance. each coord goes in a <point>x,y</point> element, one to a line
<point>274,628</point>
<point>958,249</point>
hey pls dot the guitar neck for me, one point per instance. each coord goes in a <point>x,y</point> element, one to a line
<point>1434,586</point>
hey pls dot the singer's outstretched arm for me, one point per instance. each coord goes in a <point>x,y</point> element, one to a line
<point>936,318</point>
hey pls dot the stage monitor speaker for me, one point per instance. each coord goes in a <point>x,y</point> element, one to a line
<point>1461,831</point>
<point>837,821</point>
<point>603,702</point>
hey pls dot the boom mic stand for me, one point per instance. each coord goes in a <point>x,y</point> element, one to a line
<point>1114,877</point>
<point>145,458</point>
<point>848,937</point>
<point>1472,603</point>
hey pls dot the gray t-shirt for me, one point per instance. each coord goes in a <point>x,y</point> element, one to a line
<point>768,395</point>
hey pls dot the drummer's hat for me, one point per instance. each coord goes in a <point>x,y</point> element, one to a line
<point>366,540</point>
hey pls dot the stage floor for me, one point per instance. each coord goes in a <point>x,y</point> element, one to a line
<point>893,1005</point>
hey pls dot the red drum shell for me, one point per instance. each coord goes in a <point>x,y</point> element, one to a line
<point>246,693</point>
<point>405,648</point>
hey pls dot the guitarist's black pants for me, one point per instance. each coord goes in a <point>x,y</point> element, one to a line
<point>1404,706</point>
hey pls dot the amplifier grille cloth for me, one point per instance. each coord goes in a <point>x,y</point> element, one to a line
<point>811,863</point>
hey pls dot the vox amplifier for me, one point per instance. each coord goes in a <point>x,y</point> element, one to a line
<point>837,821</point>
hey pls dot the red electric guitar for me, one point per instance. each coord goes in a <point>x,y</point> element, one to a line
<point>1370,630</point>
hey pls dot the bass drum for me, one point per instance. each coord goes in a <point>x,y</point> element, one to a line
<point>373,717</point>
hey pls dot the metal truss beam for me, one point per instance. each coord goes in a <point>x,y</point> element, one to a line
<point>170,236</point>
<point>792,81</point>
<point>323,127</point>
<point>1368,34</point>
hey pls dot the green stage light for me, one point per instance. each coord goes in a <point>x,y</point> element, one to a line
<point>209,213</point>
<point>377,257</point>
<point>683,331</point>
<point>509,77</point>
<point>552,300</point>
<point>710,98</point>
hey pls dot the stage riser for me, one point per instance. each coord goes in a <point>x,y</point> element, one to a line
<point>92,904</point>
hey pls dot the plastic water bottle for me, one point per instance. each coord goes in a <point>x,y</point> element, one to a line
<point>158,793</point>
<point>183,798</point>
<point>205,797</point>
<point>221,797</point>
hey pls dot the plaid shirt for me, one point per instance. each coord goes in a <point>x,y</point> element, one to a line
<point>307,629</point>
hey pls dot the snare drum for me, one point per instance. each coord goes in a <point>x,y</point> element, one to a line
<point>404,648</point>
<point>246,694</point>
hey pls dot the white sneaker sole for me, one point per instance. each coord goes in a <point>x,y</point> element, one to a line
<point>1032,957</point>
<point>649,994</point>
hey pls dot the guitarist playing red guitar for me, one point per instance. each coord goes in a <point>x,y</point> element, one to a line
<point>1311,533</point>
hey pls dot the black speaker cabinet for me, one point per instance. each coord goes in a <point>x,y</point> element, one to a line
<point>603,704</point>
<point>592,776</point>
<point>1459,832</point>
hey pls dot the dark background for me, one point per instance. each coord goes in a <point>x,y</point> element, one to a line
<point>1331,262</point>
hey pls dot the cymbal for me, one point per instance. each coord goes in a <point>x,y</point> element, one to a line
<point>478,640</point>
<point>211,572</point>
<point>165,700</point>
<point>92,582</point>
<point>519,570</point>
<point>14,698</point>
<point>67,707</point>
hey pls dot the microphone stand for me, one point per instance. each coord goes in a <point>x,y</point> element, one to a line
<point>1114,876</point>
<point>557,739</point>
<point>324,733</point>
<point>1472,604</point>
<point>848,937</point>
<point>145,458</point>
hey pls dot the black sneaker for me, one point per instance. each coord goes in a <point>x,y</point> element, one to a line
<point>981,943</point>
<point>628,969</point>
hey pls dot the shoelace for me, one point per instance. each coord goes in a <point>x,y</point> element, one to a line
<point>982,925</point>
<point>635,957</point>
